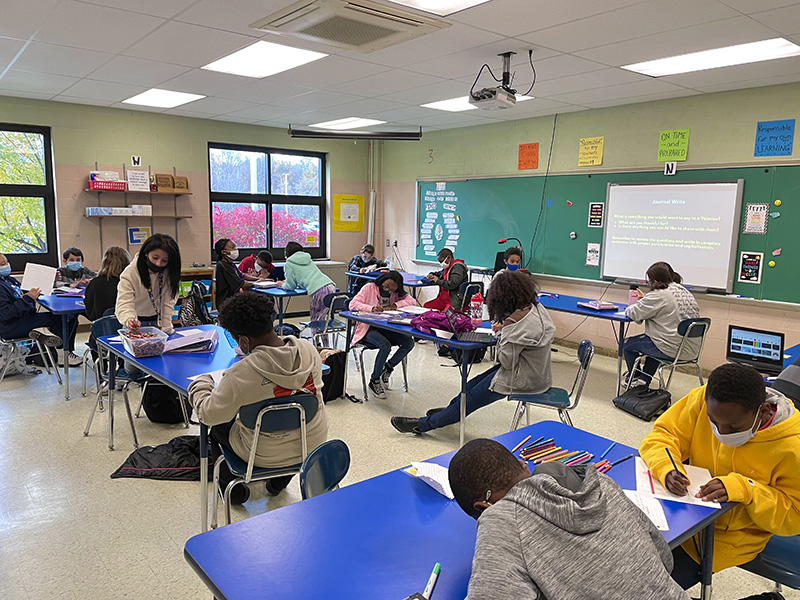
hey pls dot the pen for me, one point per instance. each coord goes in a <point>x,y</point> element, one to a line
<point>520,444</point>
<point>616,462</point>
<point>603,455</point>
<point>431,581</point>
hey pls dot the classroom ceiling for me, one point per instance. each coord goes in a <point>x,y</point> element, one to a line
<point>100,52</point>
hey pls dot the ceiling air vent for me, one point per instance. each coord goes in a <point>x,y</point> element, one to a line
<point>362,25</point>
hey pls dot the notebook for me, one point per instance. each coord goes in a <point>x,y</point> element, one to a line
<point>762,350</point>
<point>598,305</point>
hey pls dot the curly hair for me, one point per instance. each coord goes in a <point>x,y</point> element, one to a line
<point>247,314</point>
<point>740,384</point>
<point>510,291</point>
<point>512,251</point>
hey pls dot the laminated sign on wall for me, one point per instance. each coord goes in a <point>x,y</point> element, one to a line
<point>348,212</point>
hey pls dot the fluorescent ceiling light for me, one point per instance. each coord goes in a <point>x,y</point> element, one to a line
<point>462,103</point>
<point>719,57</point>
<point>347,123</point>
<point>440,7</point>
<point>162,98</point>
<point>263,59</point>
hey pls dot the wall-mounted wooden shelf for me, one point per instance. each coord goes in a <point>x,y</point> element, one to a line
<point>137,192</point>
<point>138,216</point>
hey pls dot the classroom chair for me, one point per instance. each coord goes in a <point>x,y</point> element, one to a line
<point>324,469</point>
<point>335,302</point>
<point>689,329</point>
<point>101,327</point>
<point>86,361</point>
<point>10,346</point>
<point>778,561</point>
<point>557,398</point>
<point>468,289</point>
<point>358,355</point>
<point>273,414</point>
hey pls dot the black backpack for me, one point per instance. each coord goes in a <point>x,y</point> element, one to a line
<point>193,308</point>
<point>162,404</point>
<point>334,380</point>
<point>642,402</point>
<point>475,356</point>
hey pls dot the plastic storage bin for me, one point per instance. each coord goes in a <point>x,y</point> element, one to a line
<point>146,346</point>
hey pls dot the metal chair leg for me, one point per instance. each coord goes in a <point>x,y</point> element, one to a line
<point>363,368</point>
<point>405,374</point>
<point>183,410</point>
<point>564,416</point>
<point>215,500</point>
<point>226,499</point>
<point>84,367</point>
<point>41,354</point>
<point>517,416</point>
<point>47,357</point>
<point>130,415</point>
<point>527,414</point>
<point>97,400</point>
<point>699,373</point>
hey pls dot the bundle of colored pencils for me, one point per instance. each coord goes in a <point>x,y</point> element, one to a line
<point>545,450</point>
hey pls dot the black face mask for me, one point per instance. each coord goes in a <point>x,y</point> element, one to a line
<point>384,292</point>
<point>155,268</point>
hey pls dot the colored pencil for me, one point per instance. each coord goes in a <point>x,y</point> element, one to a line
<point>570,456</point>
<point>517,447</point>
<point>603,455</point>
<point>551,457</point>
<point>602,464</point>
<point>616,462</point>
<point>550,452</point>
<point>585,460</point>
<point>539,453</point>
<point>652,487</point>
<point>672,460</point>
<point>538,443</point>
<point>535,442</point>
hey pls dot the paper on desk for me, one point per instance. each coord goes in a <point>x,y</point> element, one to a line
<point>215,375</point>
<point>188,331</point>
<point>39,276</point>
<point>115,340</point>
<point>488,330</point>
<point>697,475</point>
<point>265,284</point>
<point>434,475</point>
<point>63,289</point>
<point>414,310</point>
<point>651,507</point>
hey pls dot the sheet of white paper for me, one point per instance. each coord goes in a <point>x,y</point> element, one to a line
<point>39,276</point>
<point>215,375</point>
<point>414,310</point>
<point>445,335</point>
<point>188,331</point>
<point>115,340</point>
<point>697,475</point>
<point>391,312</point>
<point>68,290</point>
<point>435,476</point>
<point>651,507</point>
<point>265,284</point>
<point>484,330</point>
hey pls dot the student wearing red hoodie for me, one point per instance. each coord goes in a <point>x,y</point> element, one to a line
<point>449,280</point>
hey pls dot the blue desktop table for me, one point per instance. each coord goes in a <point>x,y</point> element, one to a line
<point>466,350</point>
<point>66,306</point>
<point>410,280</point>
<point>280,295</point>
<point>380,538</point>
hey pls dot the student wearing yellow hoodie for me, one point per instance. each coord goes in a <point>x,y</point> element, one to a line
<point>748,437</point>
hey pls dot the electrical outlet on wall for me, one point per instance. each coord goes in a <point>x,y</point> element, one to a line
<point>387,242</point>
<point>395,244</point>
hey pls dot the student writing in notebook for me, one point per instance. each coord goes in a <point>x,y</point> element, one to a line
<point>561,532</point>
<point>261,267</point>
<point>748,437</point>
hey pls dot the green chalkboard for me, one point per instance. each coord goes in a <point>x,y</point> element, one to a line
<point>472,215</point>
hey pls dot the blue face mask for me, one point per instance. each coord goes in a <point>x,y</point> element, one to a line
<point>74,266</point>
<point>512,267</point>
<point>5,271</point>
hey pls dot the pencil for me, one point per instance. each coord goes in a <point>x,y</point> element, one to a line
<point>552,457</point>
<point>537,443</point>
<point>672,460</point>
<point>616,462</point>
<point>539,453</point>
<point>603,455</point>
<point>549,452</point>
<point>650,477</point>
<point>575,460</point>
<point>602,463</point>
<point>570,456</point>
<point>517,447</point>
<point>533,443</point>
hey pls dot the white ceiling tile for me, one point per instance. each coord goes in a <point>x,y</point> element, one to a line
<point>700,80</point>
<point>231,119</point>
<point>28,81</point>
<point>388,82</point>
<point>680,93</point>
<point>306,118</point>
<point>207,83</point>
<point>274,124</point>
<point>727,32</point>
<point>262,112</point>
<point>366,107</point>
<point>21,94</point>
<point>316,100</point>
<point>189,45</point>
<point>586,81</point>
<point>639,20</point>
<point>784,20</point>
<point>157,8</point>
<point>235,16</point>
<point>60,60</point>
<point>454,119</point>
<point>402,114</point>
<point>753,83</point>
<point>328,71</point>
<point>94,27</point>
<point>214,106</point>
<point>8,50</point>
<point>618,92</point>
<point>88,101</point>
<point>265,91</point>
<point>444,90</point>
<point>563,65</point>
<point>469,61</point>
<point>513,17</point>
<point>752,6</point>
<point>21,19</point>
<point>103,90</point>
<point>137,71</point>
<point>138,108</point>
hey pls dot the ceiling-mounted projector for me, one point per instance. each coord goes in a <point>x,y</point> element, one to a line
<point>493,98</point>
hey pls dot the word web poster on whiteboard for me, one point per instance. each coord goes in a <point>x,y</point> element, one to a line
<point>692,226</point>
<point>440,221</point>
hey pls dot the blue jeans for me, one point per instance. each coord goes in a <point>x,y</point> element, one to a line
<point>382,341</point>
<point>642,344</point>
<point>478,396</point>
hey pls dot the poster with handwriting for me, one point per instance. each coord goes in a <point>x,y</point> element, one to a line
<point>673,145</point>
<point>774,138</point>
<point>590,151</point>
<point>528,156</point>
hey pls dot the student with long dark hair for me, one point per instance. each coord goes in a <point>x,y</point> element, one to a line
<point>385,293</point>
<point>149,287</point>
<point>229,279</point>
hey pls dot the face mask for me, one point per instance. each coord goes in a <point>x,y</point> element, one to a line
<point>234,254</point>
<point>5,271</point>
<point>259,268</point>
<point>443,264</point>
<point>512,267</point>
<point>738,438</point>
<point>153,267</point>
<point>74,266</point>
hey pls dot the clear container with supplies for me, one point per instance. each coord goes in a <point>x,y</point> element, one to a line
<point>144,342</point>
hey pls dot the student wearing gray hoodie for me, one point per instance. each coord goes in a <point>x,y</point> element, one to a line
<point>523,353</point>
<point>565,533</point>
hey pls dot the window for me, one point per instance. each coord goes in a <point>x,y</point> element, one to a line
<point>27,199</point>
<point>263,198</point>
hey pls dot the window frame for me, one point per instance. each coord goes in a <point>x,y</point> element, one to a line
<point>269,199</point>
<point>47,191</point>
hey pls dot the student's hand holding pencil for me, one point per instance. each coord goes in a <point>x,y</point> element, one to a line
<point>677,483</point>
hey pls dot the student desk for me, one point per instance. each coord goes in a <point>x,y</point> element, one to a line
<point>380,538</point>
<point>66,306</point>
<point>410,280</point>
<point>569,304</point>
<point>790,355</point>
<point>280,295</point>
<point>465,347</point>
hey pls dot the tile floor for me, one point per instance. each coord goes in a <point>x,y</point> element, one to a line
<point>68,531</point>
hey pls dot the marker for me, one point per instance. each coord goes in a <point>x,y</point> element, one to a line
<point>431,581</point>
<point>517,447</point>
<point>616,462</point>
<point>603,455</point>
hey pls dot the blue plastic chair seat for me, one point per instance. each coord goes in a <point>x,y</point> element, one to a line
<point>778,561</point>
<point>238,466</point>
<point>214,314</point>
<point>332,325</point>
<point>324,468</point>
<point>554,397</point>
<point>122,375</point>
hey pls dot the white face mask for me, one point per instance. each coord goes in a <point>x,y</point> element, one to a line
<point>259,268</point>
<point>443,263</point>
<point>737,438</point>
<point>234,254</point>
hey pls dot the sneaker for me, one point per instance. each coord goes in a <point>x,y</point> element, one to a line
<point>376,387</point>
<point>240,493</point>
<point>443,351</point>
<point>433,411</point>
<point>271,489</point>
<point>45,336</point>
<point>386,376</point>
<point>73,360</point>
<point>406,425</point>
<point>628,385</point>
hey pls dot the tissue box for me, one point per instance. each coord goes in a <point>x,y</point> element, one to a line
<point>142,210</point>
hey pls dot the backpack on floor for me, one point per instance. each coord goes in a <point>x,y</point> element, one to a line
<point>476,356</point>
<point>193,309</point>
<point>15,356</point>
<point>334,379</point>
<point>288,329</point>
<point>162,404</point>
<point>642,402</point>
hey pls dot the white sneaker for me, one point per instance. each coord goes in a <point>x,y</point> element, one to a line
<point>72,359</point>
<point>636,382</point>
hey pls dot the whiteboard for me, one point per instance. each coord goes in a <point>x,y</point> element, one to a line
<point>692,226</point>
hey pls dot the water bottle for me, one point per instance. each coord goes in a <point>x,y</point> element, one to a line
<point>476,309</point>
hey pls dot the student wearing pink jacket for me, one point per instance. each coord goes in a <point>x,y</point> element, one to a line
<point>386,293</point>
